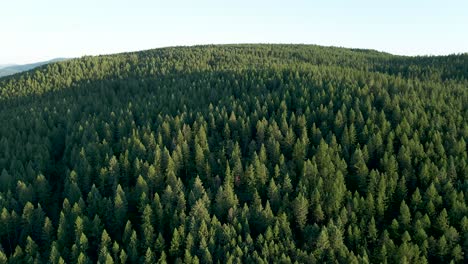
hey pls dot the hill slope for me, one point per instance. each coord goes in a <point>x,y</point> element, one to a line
<point>236,153</point>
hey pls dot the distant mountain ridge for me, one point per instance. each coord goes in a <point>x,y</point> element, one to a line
<point>6,65</point>
<point>9,69</point>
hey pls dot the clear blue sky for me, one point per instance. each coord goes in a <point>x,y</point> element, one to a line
<point>35,30</point>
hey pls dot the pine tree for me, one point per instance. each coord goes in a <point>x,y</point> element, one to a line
<point>120,209</point>
<point>360,170</point>
<point>32,251</point>
<point>301,210</point>
<point>54,256</point>
<point>225,198</point>
<point>441,223</point>
<point>405,215</point>
<point>147,227</point>
<point>162,259</point>
<point>132,248</point>
<point>149,258</point>
<point>174,250</point>
<point>372,230</point>
<point>83,259</point>
<point>104,252</point>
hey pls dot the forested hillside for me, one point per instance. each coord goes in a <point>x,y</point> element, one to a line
<point>236,154</point>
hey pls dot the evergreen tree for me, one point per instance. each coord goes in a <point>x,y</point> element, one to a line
<point>301,210</point>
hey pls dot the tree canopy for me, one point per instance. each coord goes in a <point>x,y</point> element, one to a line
<point>236,154</point>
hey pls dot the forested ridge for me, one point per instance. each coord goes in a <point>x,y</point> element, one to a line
<point>236,154</point>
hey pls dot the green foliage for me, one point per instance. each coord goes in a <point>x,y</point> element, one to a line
<point>236,154</point>
<point>301,210</point>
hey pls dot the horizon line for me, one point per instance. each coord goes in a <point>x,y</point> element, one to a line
<point>51,58</point>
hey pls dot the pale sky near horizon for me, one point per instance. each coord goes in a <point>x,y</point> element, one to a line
<point>33,31</point>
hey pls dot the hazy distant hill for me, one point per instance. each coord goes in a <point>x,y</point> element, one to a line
<point>9,69</point>
<point>6,65</point>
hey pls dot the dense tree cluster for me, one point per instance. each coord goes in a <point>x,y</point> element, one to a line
<point>236,154</point>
